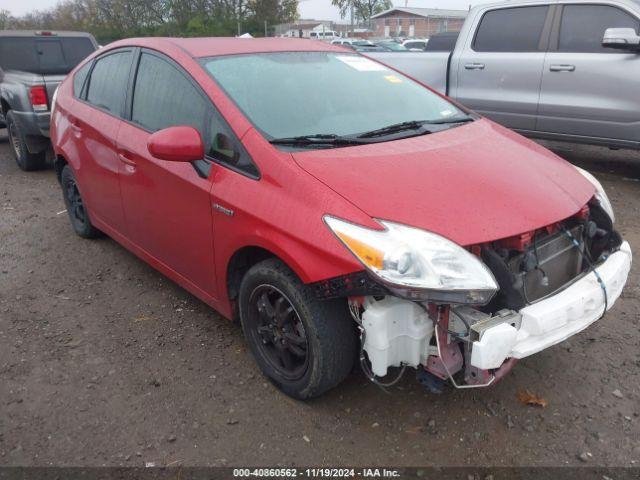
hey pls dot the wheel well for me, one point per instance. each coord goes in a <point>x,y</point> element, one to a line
<point>5,106</point>
<point>240,263</point>
<point>58,164</point>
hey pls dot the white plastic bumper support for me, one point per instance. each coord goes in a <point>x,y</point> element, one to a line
<point>554,319</point>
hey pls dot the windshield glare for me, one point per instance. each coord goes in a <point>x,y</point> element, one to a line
<point>291,94</point>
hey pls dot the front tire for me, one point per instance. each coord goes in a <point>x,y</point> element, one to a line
<point>78,213</point>
<point>26,161</point>
<point>304,345</point>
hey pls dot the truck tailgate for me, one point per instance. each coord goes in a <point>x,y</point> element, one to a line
<point>51,83</point>
<point>429,68</point>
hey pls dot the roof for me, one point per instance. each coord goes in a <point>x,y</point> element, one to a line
<point>214,46</point>
<point>424,12</point>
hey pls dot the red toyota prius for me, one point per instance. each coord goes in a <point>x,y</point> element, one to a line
<point>342,211</point>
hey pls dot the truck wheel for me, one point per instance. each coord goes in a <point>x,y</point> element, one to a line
<point>304,345</point>
<point>25,160</point>
<point>76,209</point>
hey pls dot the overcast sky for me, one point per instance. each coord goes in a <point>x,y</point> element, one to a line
<point>316,9</point>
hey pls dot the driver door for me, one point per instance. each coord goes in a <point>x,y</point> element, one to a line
<point>167,204</point>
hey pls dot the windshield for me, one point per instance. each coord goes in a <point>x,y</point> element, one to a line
<point>291,94</point>
<point>43,55</point>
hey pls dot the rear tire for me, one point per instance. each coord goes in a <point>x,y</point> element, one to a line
<point>304,345</point>
<point>25,160</point>
<point>78,213</point>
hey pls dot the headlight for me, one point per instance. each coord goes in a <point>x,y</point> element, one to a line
<point>601,195</point>
<point>418,264</point>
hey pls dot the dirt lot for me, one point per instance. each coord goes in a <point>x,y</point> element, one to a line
<point>105,362</point>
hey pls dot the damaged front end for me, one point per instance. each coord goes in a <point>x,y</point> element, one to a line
<point>538,289</point>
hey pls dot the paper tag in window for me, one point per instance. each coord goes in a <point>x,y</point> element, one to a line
<point>392,79</point>
<point>362,64</point>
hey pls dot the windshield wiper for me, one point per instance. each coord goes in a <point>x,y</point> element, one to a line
<point>395,128</point>
<point>317,139</point>
<point>413,125</point>
<point>445,121</point>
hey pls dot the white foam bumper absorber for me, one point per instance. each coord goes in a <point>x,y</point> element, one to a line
<point>396,332</point>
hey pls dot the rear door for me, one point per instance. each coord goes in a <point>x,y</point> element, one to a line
<point>167,204</point>
<point>95,122</point>
<point>589,90</point>
<point>499,69</point>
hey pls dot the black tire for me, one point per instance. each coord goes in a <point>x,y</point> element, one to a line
<point>78,213</point>
<point>329,334</point>
<point>25,160</point>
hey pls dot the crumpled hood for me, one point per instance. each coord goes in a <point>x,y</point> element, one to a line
<point>473,183</point>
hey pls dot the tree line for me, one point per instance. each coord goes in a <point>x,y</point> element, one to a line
<point>110,20</point>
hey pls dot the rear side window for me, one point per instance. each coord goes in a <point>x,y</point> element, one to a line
<point>443,42</point>
<point>108,82</point>
<point>164,97</point>
<point>511,30</point>
<point>78,79</point>
<point>43,55</point>
<point>583,26</point>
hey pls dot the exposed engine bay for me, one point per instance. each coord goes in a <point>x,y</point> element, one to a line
<point>553,283</point>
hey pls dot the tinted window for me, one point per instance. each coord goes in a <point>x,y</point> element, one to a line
<point>108,82</point>
<point>44,55</point>
<point>583,26</point>
<point>442,42</point>
<point>511,30</point>
<point>78,79</point>
<point>164,97</point>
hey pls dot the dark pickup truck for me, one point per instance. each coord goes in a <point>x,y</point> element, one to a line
<point>32,64</point>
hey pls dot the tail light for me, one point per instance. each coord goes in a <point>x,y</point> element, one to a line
<point>38,96</point>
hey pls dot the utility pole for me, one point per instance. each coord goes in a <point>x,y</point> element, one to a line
<point>265,28</point>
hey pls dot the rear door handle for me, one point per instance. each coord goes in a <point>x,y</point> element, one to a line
<point>125,159</point>
<point>562,68</point>
<point>474,66</point>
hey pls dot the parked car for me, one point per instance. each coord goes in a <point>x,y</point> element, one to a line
<point>561,71</point>
<point>32,64</point>
<point>392,222</point>
<point>350,42</point>
<point>390,46</point>
<point>416,44</point>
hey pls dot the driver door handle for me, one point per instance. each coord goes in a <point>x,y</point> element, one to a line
<point>123,156</point>
<point>562,68</point>
<point>474,66</point>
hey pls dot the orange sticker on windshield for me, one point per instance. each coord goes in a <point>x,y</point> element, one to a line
<point>392,79</point>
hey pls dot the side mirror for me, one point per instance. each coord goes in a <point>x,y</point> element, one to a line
<point>621,38</point>
<point>176,144</point>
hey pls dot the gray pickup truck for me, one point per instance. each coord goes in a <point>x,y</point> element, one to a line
<point>32,64</point>
<point>555,69</point>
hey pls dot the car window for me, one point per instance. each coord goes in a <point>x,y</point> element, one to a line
<point>164,97</point>
<point>583,26</point>
<point>43,55</point>
<point>108,81</point>
<point>78,79</point>
<point>511,30</point>
<point>351,94</point>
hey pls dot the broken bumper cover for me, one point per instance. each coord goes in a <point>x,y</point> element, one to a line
<point>555,318</point>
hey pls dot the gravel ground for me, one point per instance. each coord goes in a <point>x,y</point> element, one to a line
<point>105,362</point>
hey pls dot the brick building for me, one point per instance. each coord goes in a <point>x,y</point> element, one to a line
<point>417,22</point>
